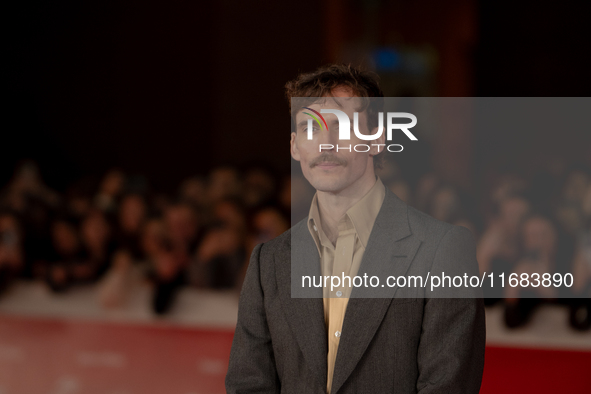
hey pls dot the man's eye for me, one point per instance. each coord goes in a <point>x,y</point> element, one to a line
<point>314,130</point>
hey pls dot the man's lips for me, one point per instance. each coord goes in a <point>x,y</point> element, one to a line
<point>327,165</point>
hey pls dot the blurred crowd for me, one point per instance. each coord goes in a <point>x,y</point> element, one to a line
<point>115,232</point>
<point>539,225</point>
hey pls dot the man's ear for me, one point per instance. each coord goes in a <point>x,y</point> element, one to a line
<point>293,148</point>
<point>377,146</point>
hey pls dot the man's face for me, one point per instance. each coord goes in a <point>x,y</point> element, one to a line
<point>331,170</point>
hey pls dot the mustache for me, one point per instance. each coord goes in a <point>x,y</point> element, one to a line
<point>328,158</point>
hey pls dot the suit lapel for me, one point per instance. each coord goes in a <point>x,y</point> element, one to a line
<point>390,250</point>
<point>305,316</point>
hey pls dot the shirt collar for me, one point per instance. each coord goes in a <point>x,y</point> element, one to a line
<point>365,211</point>
<point>362,215</point>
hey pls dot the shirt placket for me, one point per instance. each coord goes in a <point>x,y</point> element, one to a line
<point>343,258</point>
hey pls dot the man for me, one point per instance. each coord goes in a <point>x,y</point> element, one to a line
<point>342,341</point>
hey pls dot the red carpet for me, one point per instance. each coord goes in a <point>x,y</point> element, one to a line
<point>74,357</point>
<point>514,370</point>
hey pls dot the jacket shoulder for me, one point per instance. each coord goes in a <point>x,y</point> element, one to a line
<point>432,230</point>
<point>426,227</point>
<point>279,242</point>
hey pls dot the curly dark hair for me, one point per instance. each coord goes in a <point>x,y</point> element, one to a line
<point>323,81</point>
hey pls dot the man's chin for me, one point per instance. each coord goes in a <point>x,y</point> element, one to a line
<point>327,184</point>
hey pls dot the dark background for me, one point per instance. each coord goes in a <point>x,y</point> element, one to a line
<point>174,89</point>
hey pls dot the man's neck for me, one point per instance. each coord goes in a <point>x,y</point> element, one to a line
<point>333,206</point>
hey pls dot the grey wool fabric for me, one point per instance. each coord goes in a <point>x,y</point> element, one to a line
<point>399,343</point>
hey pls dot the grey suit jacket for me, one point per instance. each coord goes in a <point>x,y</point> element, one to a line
<point>388,345</point>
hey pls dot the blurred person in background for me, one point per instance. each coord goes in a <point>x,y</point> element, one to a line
<point>509,185</point>
<point>194,190</point>
<point>580,305</point>
<point>124,272</point>
<point>221,252</point>
<point>230,213</point>
<point>78,198</point>
<point>222,183</point>
<point>154,244</point>
<point>109,191</point>
<point>182,226</point>
<point>65,262</point>
<point>258,187</point>
<point>27,197</point>
<point>159,202</point>
<point>448,205</point>
<point>170,246</point>
<point>37,240</point>
<point>498,248</point>
<point>97,242</point>
<point>570,211</point>
<point>26,184</point>
<point>114,288</point>
<point>570,216</point>
<point>538,256</point>
<point>131,214</point>
<point>426,187</point>
<point>11,249</point>
<point>169,276</point>
<point>265,224</point>
<point>445,204</point>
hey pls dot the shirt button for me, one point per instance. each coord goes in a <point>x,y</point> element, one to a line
<point>339,293</point>
<point>337,334</point>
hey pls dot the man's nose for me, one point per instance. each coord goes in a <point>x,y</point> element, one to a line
<point>328,137</point>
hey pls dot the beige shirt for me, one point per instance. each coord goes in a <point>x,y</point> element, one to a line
<point>343,258</point>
